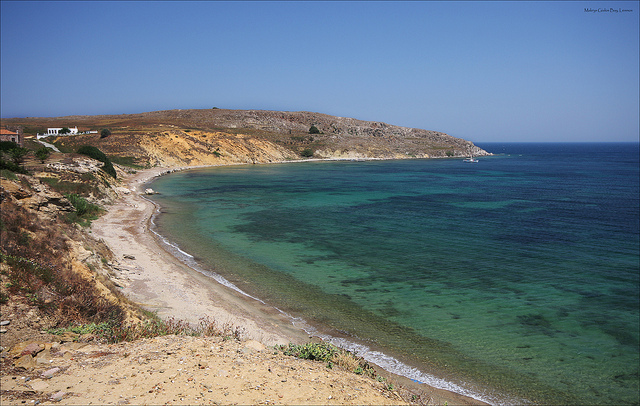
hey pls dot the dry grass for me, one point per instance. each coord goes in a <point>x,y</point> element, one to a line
<point>37,267</point>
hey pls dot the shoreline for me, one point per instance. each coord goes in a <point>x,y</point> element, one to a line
<point>157,280</point>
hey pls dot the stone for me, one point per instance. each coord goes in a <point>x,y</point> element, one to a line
<point>32,349</point>
<point>58,396</point>
<point>44,357</point>
<point>50,372</point>
<point>70,346</point>
<point>26,362</point>
<point>38,385</point>
<point>5,322</point>
<point>254,345</point>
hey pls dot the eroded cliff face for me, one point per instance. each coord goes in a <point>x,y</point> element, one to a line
<point>193,148</point>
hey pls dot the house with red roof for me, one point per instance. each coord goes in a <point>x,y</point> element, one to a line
<point>14,136</point>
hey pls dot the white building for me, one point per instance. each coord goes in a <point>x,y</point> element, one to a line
<point>56,131</point>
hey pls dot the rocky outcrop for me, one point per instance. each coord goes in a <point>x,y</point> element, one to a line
<point>37,197</point>
<point>78,165</point>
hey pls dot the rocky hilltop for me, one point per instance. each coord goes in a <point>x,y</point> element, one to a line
<point>221,136</point>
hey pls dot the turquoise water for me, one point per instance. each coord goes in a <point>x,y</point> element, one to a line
<point>514,279</point>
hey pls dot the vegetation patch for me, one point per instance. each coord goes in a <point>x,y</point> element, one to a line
<point>114,332</point>
<point>95,153</point>
<point>85,211</point>
<point>307,153</point>
<point>12,156</point>
<point>35,265</point>
<point>67,187</point>
<point>8,174</point>
<point>128,161</point>
<point>332,355</point>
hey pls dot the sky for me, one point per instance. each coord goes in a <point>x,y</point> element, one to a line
<point>485,71</point>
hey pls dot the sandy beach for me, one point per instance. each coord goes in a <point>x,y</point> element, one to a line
<point>152,277</point>
<point>161,283</point>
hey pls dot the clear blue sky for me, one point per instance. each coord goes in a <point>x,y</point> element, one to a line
<point>483,71</point>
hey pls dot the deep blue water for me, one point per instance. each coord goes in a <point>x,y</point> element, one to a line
<point>514,278</point>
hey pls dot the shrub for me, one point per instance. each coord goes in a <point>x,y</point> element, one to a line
<point>314,351</point>
<point>6,146</point>
<point>126,161</point>
<point>314,130</point>
<point>17,154</point>
<point>8,174</point>
<point>95,153</point>
<point>12,167</point>
<point>105,133</point>
<point>307,153</point>
<point>85,211</point>
<point>43,153</point>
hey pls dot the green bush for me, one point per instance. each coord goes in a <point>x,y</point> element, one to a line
<point>95,153</point>
<point>14,154</point>
<point>12,167</point>
<point>85,211</point>
<point>8,174</point>
<point>314,130</point>
<point>307,153</point>
<point>323,352</point>
<point>6,146</point>
<point>43,153</point>
<point>126,161</point>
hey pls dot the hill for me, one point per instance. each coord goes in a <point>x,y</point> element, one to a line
<point>220,136</point>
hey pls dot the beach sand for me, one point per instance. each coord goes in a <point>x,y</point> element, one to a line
<point>160,282</point>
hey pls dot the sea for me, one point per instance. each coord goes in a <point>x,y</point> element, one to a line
<point>513,280</point>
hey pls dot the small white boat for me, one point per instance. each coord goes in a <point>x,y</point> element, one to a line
<point>470,159</point>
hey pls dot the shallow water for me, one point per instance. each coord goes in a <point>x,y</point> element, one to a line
<point>513,278</point>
